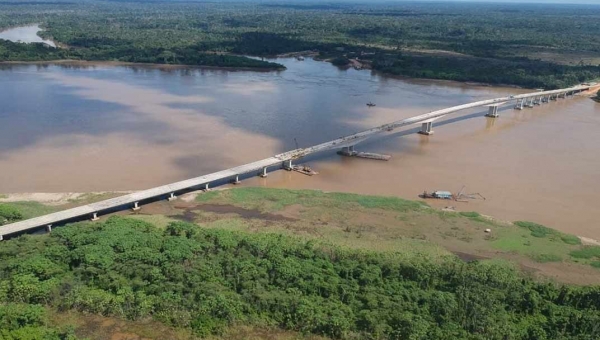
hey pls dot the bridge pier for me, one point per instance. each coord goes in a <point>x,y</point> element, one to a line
<point>263,172</point>
<point>492,111</point>
<point>171,197</point>
<point>426,129</point>
<point>287,165</point>
<point>529,103</point>
<point>49,228</point>
<point>136,206</point>
<point>348,151</point>
<point>236,180</point>
<point>95,217</point>
<point>206,187</point>
<point>520,103</point>
<point>537,101</point>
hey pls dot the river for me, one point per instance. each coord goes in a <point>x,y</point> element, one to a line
<point>25,34</point>
<point>101,127</point>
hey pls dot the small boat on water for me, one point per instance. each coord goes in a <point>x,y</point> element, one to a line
<point>370,104</point>
<point>304,169</point>
<point>300,58</point>
<point>445,195</point>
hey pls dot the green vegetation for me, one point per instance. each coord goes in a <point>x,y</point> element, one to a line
<point>275,199</point>
<point>587,252</point>
<point>15,211</point>
<point>29,321</point>
<point>538,230</point>
<point>9,214</point>
<point>522,44</point>
<point>208,279</point>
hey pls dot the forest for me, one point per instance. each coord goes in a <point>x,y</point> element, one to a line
<point>206,280</point>
<point>528,45</point>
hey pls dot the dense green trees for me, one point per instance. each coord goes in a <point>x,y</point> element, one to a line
<point>491,43</point>
<point>187,276</point>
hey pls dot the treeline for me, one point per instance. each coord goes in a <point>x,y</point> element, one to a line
<point>508,39</point>
<point>209,279</point>
<point>12,51</point>
<point>524,73</point>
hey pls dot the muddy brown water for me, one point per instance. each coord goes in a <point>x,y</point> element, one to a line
<point>79,128</point>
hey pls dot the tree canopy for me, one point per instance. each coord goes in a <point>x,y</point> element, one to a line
<point>208,279</point>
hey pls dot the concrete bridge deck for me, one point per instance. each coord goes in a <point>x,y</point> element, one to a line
<point>282,160</point>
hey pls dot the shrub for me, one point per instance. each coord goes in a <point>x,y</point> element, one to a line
<point>9,214</point>
<point>586,252</point>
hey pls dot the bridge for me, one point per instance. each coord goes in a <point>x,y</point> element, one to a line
<point>283,160</point>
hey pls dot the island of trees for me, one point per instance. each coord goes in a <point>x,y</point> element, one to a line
<point>536,46</point>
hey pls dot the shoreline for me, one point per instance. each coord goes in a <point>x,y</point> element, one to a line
<point>91,63</point>
<point>63,198</point>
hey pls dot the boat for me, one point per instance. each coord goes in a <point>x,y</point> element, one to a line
<point>300,58</point>
<point>444,195</point>
<point>304,169</point>
<point>370,104</point>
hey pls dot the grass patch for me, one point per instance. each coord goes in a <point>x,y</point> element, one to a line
<point>570,239</point>
<point>537,230</point>
<point>477,217</point>
<point>595,264</point>
<point>540,231</point>
<point>30,209</point>
<point>586,252</point>
<point>3,196</point>
<point>543,258</point>
<point>207,196</point>
<point>470,214</point>
<point>269,200</point>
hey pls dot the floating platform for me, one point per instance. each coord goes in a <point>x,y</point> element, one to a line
<point>304,170</point>
<point>367,155</point>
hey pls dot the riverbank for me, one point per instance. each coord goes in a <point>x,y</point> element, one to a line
<point>378,223</point>
<point>92,63</point>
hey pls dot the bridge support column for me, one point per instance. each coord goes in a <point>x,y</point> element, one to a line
<point>287,165</point>
<point>136,206</point>
<point>1,237</point>
<point>520,103</point>
<point>95,217</point>
<point>426,129</point>
<point>236,180</point>
<point>348,151</point>
<point>263,172</point>
<point>492,112</point>
<point>49,228</point>
<point>206,187</point>
<point>529,103</point>
<point>171,197</point>
<point>537,101</point>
